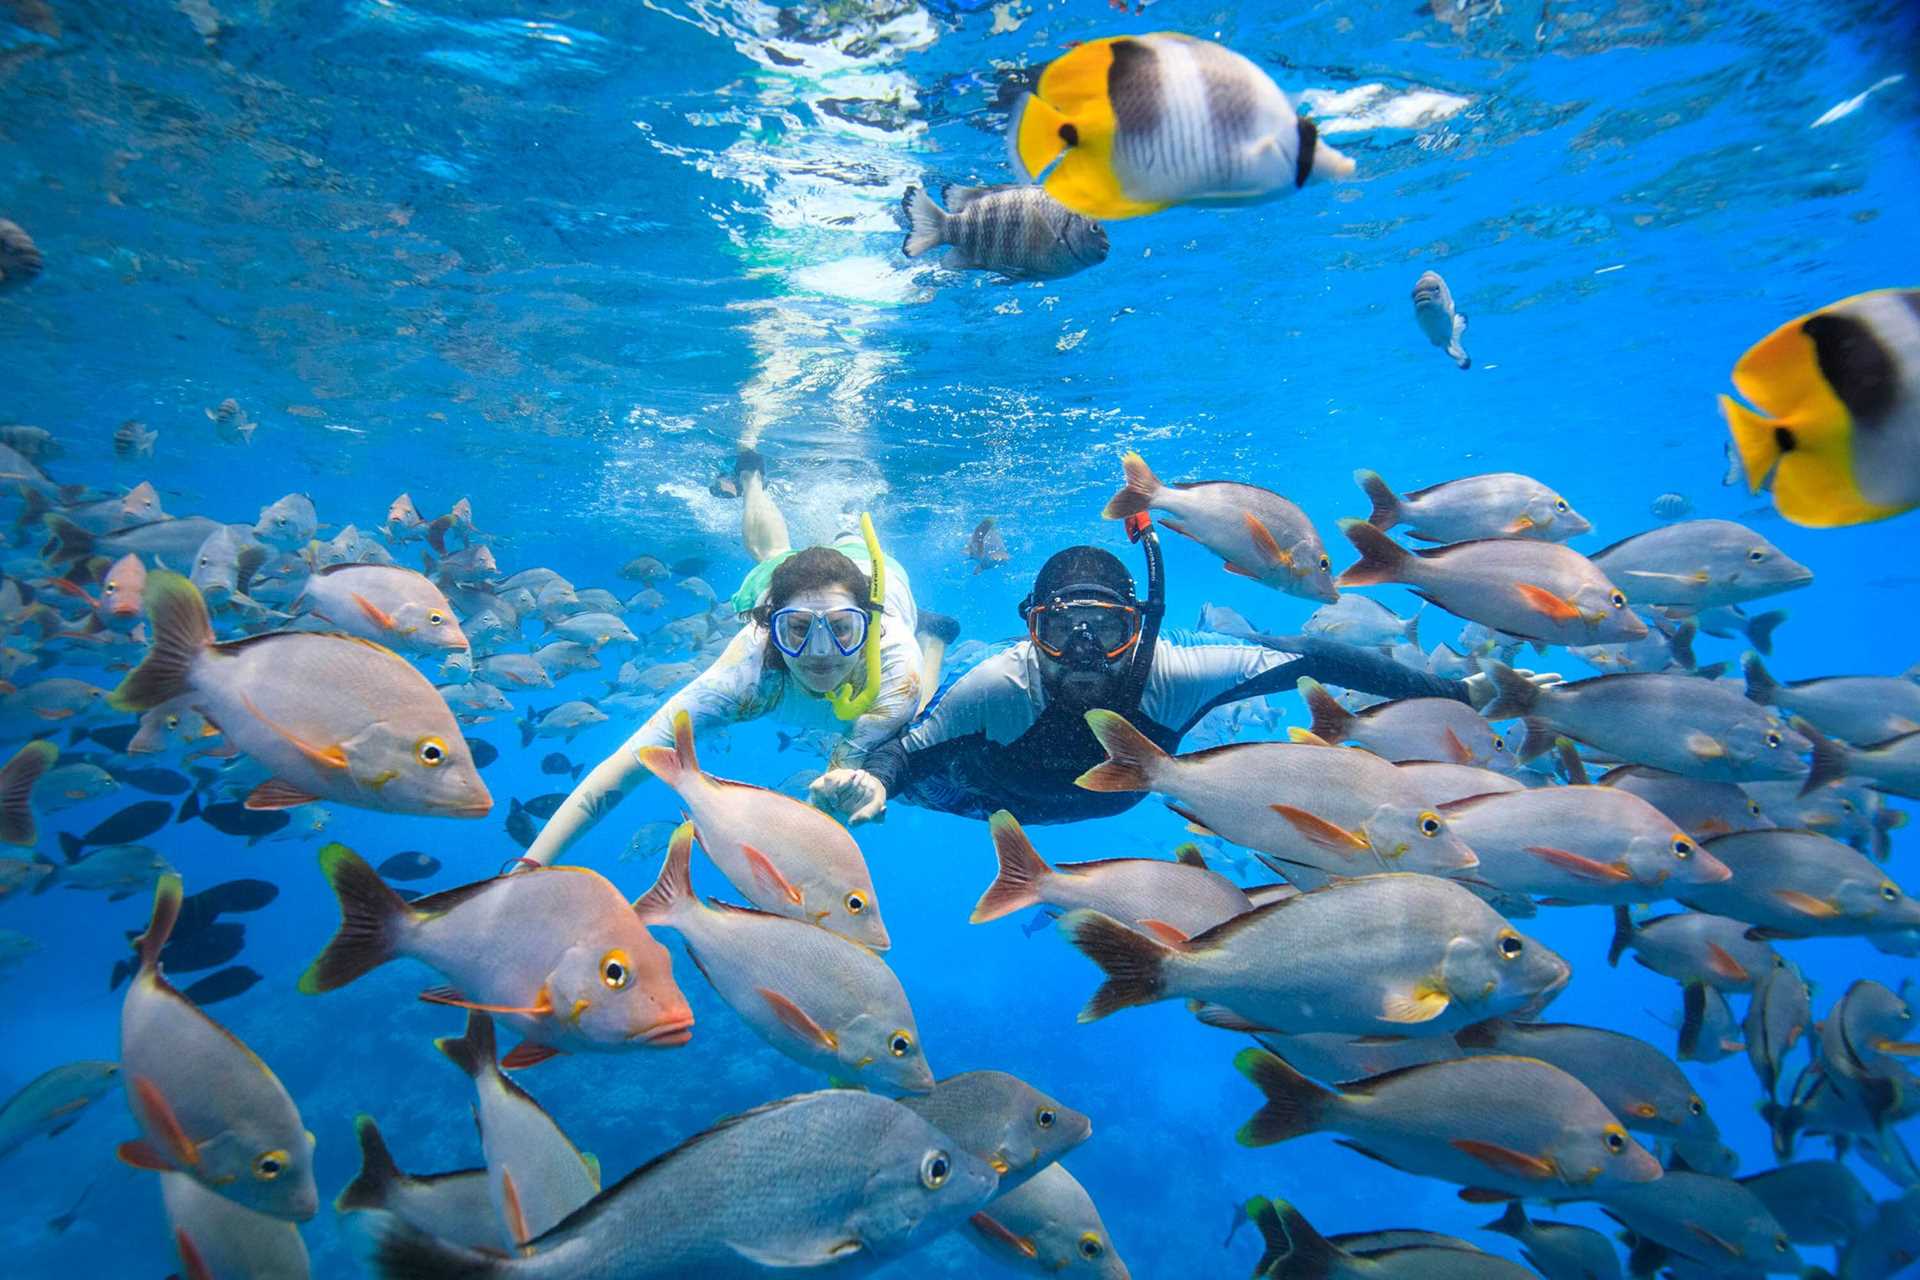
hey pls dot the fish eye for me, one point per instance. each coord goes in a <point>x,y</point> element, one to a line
<point>856,902</point>
<point>1773,737</point>
<point>1560,505</point>
<point>1779,1244</point>
<point>1430,824</point>
<point>112,587</point>
<point>1616,1139</point>
<point>1326,565</point>
<point>431,752</point>
<point>935,1168</point>
<point>173,722</point>
<point>436,618</point>
<point>1753,808</point>
<point>1091,1247</point>
<point>270,1164</point>
<point>1695,1107</point>
<point>900,1044</point>
<point>1617,599</point>
<point>1045,1117</point>
<point>1890,891</point>
<point>616,971</point>
<point>1756,555</point>
<point>1511,945</point>
<point>1682,847</point>
<point>205,560</point>
<point>1499,743</point>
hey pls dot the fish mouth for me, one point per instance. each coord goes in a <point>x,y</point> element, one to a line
<point>1719,873</point>
<point>475,809</point>
<point>668,1033</point>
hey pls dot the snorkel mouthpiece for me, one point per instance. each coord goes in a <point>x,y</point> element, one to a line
<point>847,704</point>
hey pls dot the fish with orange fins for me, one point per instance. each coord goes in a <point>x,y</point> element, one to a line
<point>556,953</point>
<point>1129,125</point>
<point>1836,434</point>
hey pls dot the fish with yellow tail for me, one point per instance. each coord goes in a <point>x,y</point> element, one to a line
<point>1837,433</point>
<point>1129,125</point>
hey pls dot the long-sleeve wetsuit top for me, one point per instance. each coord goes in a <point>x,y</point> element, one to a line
<point>989,740</point>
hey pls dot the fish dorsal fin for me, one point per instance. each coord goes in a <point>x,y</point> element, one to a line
<point>958,198</point>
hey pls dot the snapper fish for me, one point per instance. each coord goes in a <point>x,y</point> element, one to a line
<point>1047,1227</point>
<point>1258,533</point>
<point>1292,1247</point>
<point>1129,125</point>
<point>456,1207</point>
<point>1406,729</point>
<point>1499,505</point>
<point>1836,437</point>
<point>1015,1128</point>
<point>1700,564</point>
<point>384,603</point>
<point>1433,310</point>
<point>1020,232</point>
<point>1864,710</point>
<point>217,1238</point>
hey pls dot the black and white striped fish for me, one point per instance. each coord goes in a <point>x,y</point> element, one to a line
<point>1017,231</point>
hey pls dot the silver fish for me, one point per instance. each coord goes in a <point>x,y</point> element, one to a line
<point>51,1102</point>
<point>455,1207</point>
<point>221,1240</point>
<point>1434,311</point>
<point>1799,883</point>
<point>1638,1083</point>
<point>1778,1018</point>
<point>1048,1227</point>
<point>225,563</point>
<point>288,524</point>
<point>1700,564</point>
<point>1692,946</point>
<point>1015,1128</point>
<point>175,541</point>
<point>1295,1248</point>
<point>1019,231</point>
<point>1815,1201</point>
<point>1360,620</point>
<point>1710,1220</point>
<point>1559,1250</point>
<point>1407,729</point>
<point>1502,504</point>
<point>1863,710</point>
<point>1702,809</point>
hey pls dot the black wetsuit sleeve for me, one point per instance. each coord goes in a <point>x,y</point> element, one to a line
<point>887,762</point>
<point>1330,662</point>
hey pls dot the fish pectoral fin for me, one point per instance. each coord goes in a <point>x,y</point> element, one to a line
<point>819,1253</point>
<point>275,794</point>
<point>144,1155</point>
<point>1723,964</point>
<point>768,876</point>
<point>1585,868</point>
<point>1521,523</point>
<point>1704,746</point>
<point>1165,932</point>
<point>1319,831</point>
<point>1545,602</point>
<point>798,1021</point>
<point>380,617</point>
<point>1263,540</point>
<point>994,1229</point>
<point>1806,904</point>
<point>1423,1003</point>
<point>1458,749</point>
<point>1305,737</point>
<point>158,1118</point>
<point>1732,1250</point>
<point>1218,1015</point>
<point>512,1211</point>
<point>329,756</point>
<point>449,996</point>
<point>1505,1159</point>
<point>528,1054</point>
<point>1231,567</point>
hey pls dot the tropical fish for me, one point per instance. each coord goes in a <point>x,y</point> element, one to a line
<point>231,423</point>
<point>1815,1201</point>
<point>1778,1018</point>
<point>1124,126</point>
<point>20,873</point>
<point>513,671</point>
<point>581,974</point>
<point>1353,619</point>
<point>1294,1248</point>
<point>134,823</point>
<point>207,947</point>
<point>1316,809</point>
<point>1863,710</point>
<point>1558,1250</point>
<point>1407,729</point>
<point>594,630</point>
<point>1018,231</point>
<point>1710,1220</point>
<point>825,1001</point>
<point>1005,1121</point>
<point>384,603</point>
<point>330,717</point>
<point>206,1106</point>
<point>455,1207</point>
<point>1048,1227</point>
<point>985,547</point>
<point>1434,312</point>
<point>646,569</point>
<point>220,1239</point>
<point>175,540</point>
<point>1537,590</point>
<point>1549,1134</point>
<point>234,819</point>
<point>1892,766</point>
<point>844,1177</point>
<point>288,523</point>
<point>1169,898</point>
<point>1638,1083</point>
<point>224,564</point>
<point>117,870</point>
<point>51,1102</point>
<point>1258,533</point>
<point>1801,883</point>
<point>556,764</point>
<point>563,720</point>
<point>20,258</point>
<point>1503,504</point>
<point>224,985</point>
<point>1369,956</point>
<point>1700,564</point>
<point>786,856</point>
<point>1692,946</point>
<point>133,439</point>
<point>1837,434</point>
<point>411,865</point>
<point>535,1175</point>
<point>1700,808</point>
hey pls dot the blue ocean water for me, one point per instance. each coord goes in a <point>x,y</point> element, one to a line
<point>564,261</point>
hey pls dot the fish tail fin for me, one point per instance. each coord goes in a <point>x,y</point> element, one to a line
<point>1290,1239</point>
<point>1295,1105</point>
<point>1760,628</point>
<point>69,542</point>
<point>1756,439</point>
<point>167,896</point>
<point>926,223</point>
<point>1413,627</point>
<point>1511,1223</point>
<point>1454,348</point>
<point>1021,871</point>
<point>1331,721</point>
<point>1761,686</point>
<point>1829,757</point>
<point>181,631</point>
<point>1622,936</point>
<point>526,725</point>
<point>674,889</point>
<point>1137,494</point>
<point>17,777</point>
<point>1381,558</point>
<point>404,1252</point>
<point>1514,695</point>
<point>1135,965</point>
<point>1133,759</point>
<point>475,1050</point>
<point>371,915</point>
<point>1386,503</point>
<point>1681,645</point>
<point>1571,765</point>
<point>373,1185</point>
<point>680,762</point>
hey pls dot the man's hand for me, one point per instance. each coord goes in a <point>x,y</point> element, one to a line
<point>853,793</point>
<point>1480,689</point>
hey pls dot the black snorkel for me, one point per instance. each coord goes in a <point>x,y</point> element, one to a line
<point>1140,529</point>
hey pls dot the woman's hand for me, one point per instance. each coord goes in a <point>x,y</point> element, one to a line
<point>854,793</point>
<point>1480,689</point>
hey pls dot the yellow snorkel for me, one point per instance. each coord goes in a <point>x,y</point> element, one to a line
<point>847,704</point>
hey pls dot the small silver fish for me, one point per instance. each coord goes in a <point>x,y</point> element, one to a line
<point>20,259</point>
<point>1048,1227</point>
<point>1444,326</point>
<point>1671,506</point>
<point>456,1207</point>
<point>1019,231</point>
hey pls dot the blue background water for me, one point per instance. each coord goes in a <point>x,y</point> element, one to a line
<point>564,261</point>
